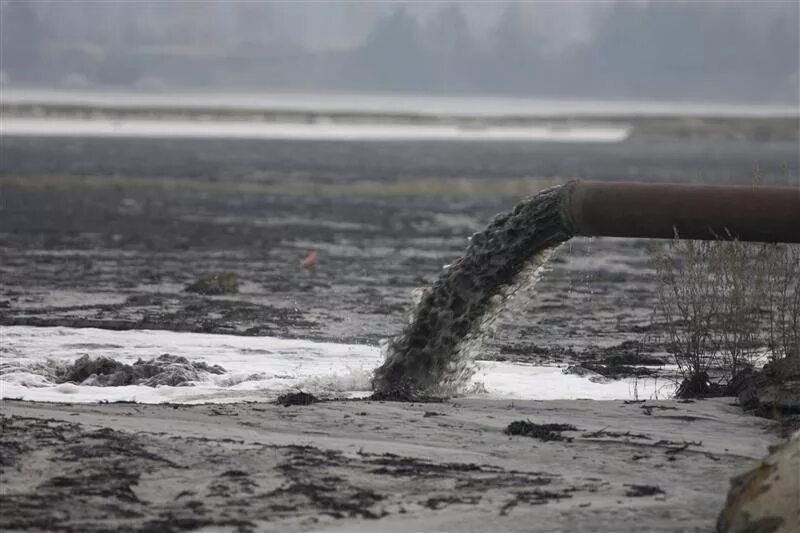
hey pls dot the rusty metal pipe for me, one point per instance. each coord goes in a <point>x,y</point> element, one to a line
<point>704,212</point>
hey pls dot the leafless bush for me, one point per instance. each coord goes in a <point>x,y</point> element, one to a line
<point>742,272</point>
<point>726,303</point>
<point>688,300</point>
<point>784,302</point>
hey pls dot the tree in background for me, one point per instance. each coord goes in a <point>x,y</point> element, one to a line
<point>21,41</point>
<point>642,50</point>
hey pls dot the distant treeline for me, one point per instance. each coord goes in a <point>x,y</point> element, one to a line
<point>735,51</point>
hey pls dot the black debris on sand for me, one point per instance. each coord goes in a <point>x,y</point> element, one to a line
<point>296,398</point>
<point>544,432</point>
<point>638,491</point>
<point>404,396</point>
<point>532,497</point>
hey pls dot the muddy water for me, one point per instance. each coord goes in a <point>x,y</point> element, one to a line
<point>431,356</point>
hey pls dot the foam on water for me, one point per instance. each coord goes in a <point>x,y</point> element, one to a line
<point>256,369</point>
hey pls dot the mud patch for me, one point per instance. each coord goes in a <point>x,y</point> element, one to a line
<point>638,491</point>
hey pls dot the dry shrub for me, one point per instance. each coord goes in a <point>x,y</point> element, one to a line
<point>784,302</point>
<point>726,304</point>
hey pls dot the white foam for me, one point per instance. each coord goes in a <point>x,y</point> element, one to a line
<point>525,381</point>
<point>258,368</point>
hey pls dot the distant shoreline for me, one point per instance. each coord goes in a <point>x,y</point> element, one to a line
<point>464,118</point>
<point>389,104</point>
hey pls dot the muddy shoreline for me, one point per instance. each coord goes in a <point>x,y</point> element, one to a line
<point>109,233</point>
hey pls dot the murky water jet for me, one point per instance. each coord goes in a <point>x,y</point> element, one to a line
<point>431,355</point>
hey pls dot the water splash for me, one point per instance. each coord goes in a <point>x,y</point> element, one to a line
<point>432,355</point>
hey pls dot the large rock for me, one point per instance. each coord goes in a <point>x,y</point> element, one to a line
<point>766,499</point>
<point>773,391</point>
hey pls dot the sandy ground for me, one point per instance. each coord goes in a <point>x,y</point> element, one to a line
<point>364,465</point>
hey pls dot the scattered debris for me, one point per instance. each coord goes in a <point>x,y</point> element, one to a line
<point>223,283</point>
<point>638,491</point>
<point>699,386</point>
<point>648,409</point>
<point>532,497</point>
<point>615,434</point>
<point>310,260</point>
<point>630,353</point>
<point>404,396</point>
<point>544,432</point>
<point>441,502</point>
<point>296,398</point>
<point>684,444</point>
<point>674,447</point>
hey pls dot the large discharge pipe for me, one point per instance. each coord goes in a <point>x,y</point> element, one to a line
<point>665,211</point>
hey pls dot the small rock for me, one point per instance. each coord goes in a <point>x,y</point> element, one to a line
<point>296,398</point>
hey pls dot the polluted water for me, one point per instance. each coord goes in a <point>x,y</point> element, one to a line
<point>432,355</point>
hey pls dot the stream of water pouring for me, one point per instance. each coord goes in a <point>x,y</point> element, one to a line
<point>432,355</point>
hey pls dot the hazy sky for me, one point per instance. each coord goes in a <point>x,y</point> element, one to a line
<point>627,49</point>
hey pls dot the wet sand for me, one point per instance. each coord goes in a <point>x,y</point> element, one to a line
<point>339,466</point>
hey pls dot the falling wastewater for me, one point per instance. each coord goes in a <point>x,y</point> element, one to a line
<point>432,355</point>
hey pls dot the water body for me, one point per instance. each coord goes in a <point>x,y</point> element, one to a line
<point>229,129</point>
<point>388,103</point>
<point>432,355</point>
